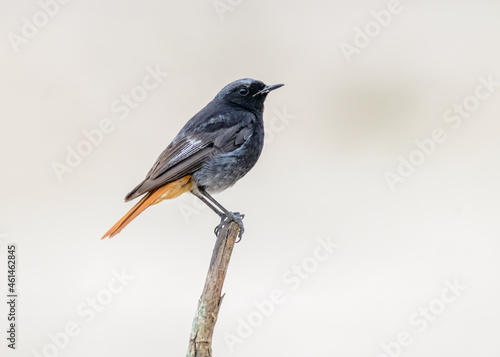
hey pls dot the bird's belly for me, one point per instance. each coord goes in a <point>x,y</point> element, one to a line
<point>223,170</point>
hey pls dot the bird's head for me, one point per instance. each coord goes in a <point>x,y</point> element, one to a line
<point>247,93</point>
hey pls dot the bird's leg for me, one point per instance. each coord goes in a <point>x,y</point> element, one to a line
<point>225,215</point>
<point>208,203</point>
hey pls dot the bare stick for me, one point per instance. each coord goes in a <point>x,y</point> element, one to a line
<point>200,341</point>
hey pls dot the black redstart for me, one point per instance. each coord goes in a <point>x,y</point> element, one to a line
<point>215,148</point>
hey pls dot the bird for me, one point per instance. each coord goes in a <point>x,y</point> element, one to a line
<point>215,148</point>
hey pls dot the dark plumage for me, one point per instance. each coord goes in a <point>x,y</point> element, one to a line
<point>215,148</point>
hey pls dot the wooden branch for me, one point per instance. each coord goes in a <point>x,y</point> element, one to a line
<point>200,341</point>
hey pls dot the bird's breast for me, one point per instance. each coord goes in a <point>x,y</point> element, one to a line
<point>223,170</point>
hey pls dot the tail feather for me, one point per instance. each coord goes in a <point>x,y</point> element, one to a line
<point>168,191</point>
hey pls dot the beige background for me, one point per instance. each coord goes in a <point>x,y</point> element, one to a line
<point>320,175</point>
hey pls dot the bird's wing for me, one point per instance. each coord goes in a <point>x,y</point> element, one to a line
<point>187,154</point>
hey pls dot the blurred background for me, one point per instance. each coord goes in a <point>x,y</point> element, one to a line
<point>371,217</point>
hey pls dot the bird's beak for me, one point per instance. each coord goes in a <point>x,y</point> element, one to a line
<point>267,89</point>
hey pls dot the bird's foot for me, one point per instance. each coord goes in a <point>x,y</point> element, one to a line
<point>231,216</point>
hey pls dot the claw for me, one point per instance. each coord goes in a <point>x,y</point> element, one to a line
<point>232,216</point>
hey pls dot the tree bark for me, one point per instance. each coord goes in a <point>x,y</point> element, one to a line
<point>200,341</point>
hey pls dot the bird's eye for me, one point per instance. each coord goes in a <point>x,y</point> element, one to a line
<point>243,91</point>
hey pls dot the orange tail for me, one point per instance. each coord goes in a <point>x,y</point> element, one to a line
<point>168,191</point>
